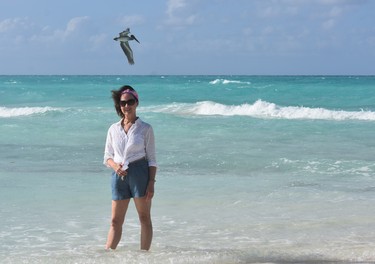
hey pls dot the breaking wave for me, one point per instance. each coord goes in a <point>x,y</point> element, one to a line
<point>263,109</point>
<point>6,112</point>
<point>224,81</point>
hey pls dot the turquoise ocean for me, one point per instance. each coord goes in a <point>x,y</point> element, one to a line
<point>252,169</point>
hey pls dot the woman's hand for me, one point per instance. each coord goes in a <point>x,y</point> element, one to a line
<point>150,190</point>
<point>117,167</point>
<point>151,183</point>
<point>119,171</point>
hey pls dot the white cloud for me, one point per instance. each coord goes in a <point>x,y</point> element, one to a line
<point>129,21</point>
<point>178,14</point>
<point>341,2</point>
<point>74,27</point>
<point>174,6</point>
<point>74,24</point>
<point>11,24</point>
<point>335,11</point>
<point>332,17</point>
<point>15,32</point>
<point>329,24</point>
<point>270,11</point>
<point>279,8</point>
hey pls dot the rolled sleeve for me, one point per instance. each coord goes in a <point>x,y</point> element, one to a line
<point>150,148</point>
<point>108,150</point>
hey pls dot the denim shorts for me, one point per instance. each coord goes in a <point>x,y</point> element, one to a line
<point>134,184</point>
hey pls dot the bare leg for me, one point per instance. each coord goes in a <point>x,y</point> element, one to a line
<point>119,209</point>
<point>144,212</point>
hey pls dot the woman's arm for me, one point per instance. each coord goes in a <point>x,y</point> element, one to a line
<point>116,167</point>
<point>151,183</point>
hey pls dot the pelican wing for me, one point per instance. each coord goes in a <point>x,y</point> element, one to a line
<point>128,51</point>
<point>124,33</point>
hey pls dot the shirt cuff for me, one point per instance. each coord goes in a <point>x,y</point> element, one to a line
<point>152,164</point>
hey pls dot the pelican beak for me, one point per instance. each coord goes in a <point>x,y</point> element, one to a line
<point>135,39</point>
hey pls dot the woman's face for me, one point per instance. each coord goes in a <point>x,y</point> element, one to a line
<point>128,104</point>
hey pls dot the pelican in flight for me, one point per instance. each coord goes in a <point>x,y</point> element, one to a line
<point>124,38</point>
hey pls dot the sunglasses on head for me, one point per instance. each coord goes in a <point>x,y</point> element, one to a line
<point>129,102</point>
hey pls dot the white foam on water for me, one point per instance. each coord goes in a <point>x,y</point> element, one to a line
<point>262,109</point>
<point>225,81</point>
<point>6,112</point>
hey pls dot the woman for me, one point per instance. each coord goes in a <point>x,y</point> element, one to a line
<point>130,152</point>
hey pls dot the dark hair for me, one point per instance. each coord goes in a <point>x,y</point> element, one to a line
<point>116,96</point>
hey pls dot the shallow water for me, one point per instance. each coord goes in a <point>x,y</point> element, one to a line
<point>251,169</point>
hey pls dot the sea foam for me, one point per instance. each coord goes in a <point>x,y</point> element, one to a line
<point>224,81</point>
<point>263,109</point>
<point>6,112</point>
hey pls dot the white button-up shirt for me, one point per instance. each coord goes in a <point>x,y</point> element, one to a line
<point>124,148</point>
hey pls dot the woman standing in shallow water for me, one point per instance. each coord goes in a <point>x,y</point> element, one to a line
<point>130,152</point>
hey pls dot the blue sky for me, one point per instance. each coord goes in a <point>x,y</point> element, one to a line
<point>253,37</point>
